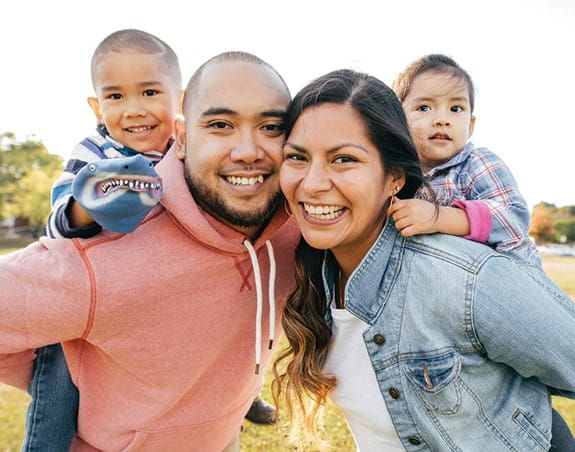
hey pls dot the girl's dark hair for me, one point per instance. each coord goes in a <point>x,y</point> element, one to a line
<point>302,382</point>
<point>432,63</point>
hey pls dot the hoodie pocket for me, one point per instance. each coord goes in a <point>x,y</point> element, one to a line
<point>434,380</point>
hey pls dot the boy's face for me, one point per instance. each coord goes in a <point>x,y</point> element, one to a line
<point>232,143</point>
<point>439,116</point>
<point>136,100</point>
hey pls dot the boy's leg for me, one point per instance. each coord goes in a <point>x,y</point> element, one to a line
<point>561,437</point>
<point>52,414</point>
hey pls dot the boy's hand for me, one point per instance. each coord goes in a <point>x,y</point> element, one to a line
<point>118,193</point>
<point>414,216</point>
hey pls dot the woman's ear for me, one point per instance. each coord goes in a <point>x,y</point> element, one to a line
<point>180,138</point>
<point>397,181</point>
<point>95,106</point>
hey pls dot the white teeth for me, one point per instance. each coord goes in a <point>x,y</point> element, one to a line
<point>139,129</point>
<point>235,180</point>
<point>325,212</point>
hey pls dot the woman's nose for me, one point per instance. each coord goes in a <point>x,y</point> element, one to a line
<point>316,179</point>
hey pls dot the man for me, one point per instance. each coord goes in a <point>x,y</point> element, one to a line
<point>163,328</point>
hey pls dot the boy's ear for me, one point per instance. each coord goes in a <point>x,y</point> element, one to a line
<point>180,138</point>
<point>471,126</point>
<point>95,106</point>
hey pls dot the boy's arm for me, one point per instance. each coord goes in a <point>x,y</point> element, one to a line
<point>68,219</point>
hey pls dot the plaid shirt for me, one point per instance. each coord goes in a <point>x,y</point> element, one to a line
<point>479,174</point>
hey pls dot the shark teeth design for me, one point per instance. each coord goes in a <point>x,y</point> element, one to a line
<point>130,184</point>
<point>323,212</point>
<point>236,180</point>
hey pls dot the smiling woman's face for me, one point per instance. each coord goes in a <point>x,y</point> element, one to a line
<point>333,179</point>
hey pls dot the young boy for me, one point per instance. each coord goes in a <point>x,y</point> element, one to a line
<point>137,81</point>
<point>478,196</point>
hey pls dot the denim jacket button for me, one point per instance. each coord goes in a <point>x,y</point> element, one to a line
<point>415,441</point>
<point>394,393</point>
<point>379,339</point>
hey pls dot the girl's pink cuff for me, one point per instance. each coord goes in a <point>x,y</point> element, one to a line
<point>479,217</point>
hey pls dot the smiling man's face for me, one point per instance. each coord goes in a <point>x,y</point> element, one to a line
<point>232,145</point>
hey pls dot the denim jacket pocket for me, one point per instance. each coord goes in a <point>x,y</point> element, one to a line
<point>435,381</point>
<point>529,426</point>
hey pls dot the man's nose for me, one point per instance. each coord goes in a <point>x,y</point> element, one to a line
<point>247,149</point>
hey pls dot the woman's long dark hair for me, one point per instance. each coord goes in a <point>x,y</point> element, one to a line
<point>298,369</point>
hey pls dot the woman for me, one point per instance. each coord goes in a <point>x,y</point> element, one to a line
<point>430,342</point>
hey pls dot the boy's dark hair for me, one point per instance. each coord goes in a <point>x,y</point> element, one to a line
<point>432,63</point>
<point>132,39</point>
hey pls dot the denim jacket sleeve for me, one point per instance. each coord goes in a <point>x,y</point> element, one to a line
<point>524,320</point>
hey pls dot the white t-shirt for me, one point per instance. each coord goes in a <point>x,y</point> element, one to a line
<point>357,391</point>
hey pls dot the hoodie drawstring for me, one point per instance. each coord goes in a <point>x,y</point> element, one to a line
<point>259,297</point>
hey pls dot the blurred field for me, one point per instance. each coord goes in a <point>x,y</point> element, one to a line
<point>13,403</point>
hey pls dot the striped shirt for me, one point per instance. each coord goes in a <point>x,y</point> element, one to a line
<point>477,174</point>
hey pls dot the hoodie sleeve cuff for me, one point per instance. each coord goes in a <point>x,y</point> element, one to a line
<point>480,221</point>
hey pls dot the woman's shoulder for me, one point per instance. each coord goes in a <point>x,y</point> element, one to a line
<point>445,249</point>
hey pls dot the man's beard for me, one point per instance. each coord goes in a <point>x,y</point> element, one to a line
<point>213,203</point>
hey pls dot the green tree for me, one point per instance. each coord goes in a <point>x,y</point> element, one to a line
<point>27,170</point>
<point>566,227</point>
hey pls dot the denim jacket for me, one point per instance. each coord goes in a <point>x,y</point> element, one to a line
<point>467,344</point>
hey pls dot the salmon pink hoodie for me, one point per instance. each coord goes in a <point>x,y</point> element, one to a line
<point>158,326</point>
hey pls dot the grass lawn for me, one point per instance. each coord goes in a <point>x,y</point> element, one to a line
<point>13,403</point>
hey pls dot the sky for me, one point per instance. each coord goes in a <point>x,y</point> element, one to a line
<point>520,55</point>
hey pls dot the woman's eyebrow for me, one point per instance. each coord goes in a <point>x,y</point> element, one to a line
<point>330,150</point>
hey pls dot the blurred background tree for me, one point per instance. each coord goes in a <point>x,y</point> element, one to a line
<point>552,224</point>
<point>27,171</point>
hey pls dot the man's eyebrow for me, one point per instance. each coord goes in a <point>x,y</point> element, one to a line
<point>219,111</point>
<point>273,114</point>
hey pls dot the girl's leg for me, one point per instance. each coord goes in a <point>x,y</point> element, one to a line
<point>52,414</point>
<point>562,439</point>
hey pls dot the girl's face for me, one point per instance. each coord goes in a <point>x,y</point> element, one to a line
<point>439,115</point>
<point>333,179</point>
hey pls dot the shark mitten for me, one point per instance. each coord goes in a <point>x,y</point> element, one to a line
<point>118,193</point>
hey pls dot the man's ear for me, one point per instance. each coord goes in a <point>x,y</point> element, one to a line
<point>95,106</point>
<point>471,126</point>
<point>180,138</point>
<point>181,102</point>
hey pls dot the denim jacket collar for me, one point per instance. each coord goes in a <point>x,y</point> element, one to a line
<point>361,298</point>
